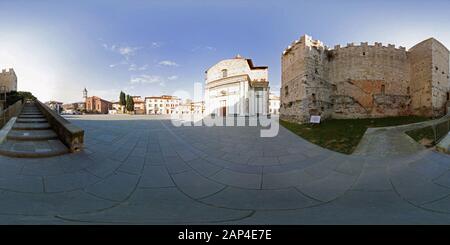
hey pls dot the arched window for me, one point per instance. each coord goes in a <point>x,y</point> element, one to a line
<point>224,73</point>
<point>382,89</point>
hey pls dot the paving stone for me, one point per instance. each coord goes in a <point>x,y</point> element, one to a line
<point>172,207</point>
<point>285,179</point>
<point>69,182</point>
<point>22,184</point>
<point>236,158</point>
<point>237,179</point>
<point>373,179</point>
<point>43,168</point>
<point>154,158</point>
<point>116,187</point>
<point>176,165</point>
<point>187,155</point>
<point>155,176</point>
<point>104,167</point>
<point>259,199</point>
<point>133,165</point>
<point>443,180</point>
<point>138,152</point>
<point>428,169</point>
<point>263,161</point>
<point>204,167</point>
<point>441,205</point>
<point>195,185</point>
<point>328,188</point>
<point>350,167</point>
<point>419,191</point>
<point>291,158</point>
<point>50,204</point>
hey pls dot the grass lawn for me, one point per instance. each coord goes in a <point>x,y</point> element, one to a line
<point>343,135</point>
<point>425,136</point>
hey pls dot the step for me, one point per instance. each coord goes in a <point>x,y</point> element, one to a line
<point>31,116</point>
<point>31,135</point>
<point>31,113</point>
<point>33,149</point>
<point>31,126</point>
<point>31,120</point>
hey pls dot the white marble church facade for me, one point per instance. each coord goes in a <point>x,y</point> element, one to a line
<point>237,87</point>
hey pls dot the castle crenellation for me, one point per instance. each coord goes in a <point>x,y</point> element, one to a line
<point>320,44</point>
<point>363,80</point>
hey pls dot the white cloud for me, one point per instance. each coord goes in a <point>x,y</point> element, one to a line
<point>156,44</point>
<point>143,68</point>
<point>174,77</point>
<point>117,64</point>
<point>146,79</point>
<point>125,51</point>
<point>204,48</point>
<point>168,63</point>
<point>134,67</point>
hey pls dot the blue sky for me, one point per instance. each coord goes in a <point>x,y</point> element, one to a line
<point>158,47</point>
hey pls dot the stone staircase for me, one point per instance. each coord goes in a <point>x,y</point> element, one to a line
<point>32,136</point>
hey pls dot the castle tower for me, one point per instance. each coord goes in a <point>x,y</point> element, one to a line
<point>305,89</point>
<point>8,80</point>
<point>430,83</point>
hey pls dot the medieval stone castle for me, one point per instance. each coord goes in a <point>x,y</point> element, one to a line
<point>8,80</point>
<point>362,81</point>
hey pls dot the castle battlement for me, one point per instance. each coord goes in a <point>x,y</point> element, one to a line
<point>305,41</point>
<point>366,45</point>
<point>308,41</point>
<point>8,72</point>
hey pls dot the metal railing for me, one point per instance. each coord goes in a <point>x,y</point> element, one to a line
<point>11,111</point>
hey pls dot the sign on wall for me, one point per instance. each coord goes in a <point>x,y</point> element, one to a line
<point>314,119</point>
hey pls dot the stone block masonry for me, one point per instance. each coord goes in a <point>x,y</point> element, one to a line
<point>363,81</point>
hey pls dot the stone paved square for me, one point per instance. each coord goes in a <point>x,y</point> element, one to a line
<point>171,177</point>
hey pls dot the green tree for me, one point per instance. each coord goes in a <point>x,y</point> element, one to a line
<point>130,103</point>
<point>14,96</point>
<point>122,100</point>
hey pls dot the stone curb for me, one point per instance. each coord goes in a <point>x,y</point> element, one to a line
<point>5,130</point>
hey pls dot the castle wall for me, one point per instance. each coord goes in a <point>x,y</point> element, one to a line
<point>360,81</point>
<point>370,80</point>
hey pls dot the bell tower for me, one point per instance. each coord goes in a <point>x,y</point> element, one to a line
<point>85,93</point>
